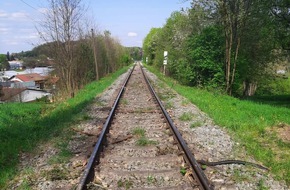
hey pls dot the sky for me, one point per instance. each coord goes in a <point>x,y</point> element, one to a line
<point>127,20</point>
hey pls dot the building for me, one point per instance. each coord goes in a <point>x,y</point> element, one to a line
<point>16,65</point>
<point>22,95</point>
<point>32,80</point>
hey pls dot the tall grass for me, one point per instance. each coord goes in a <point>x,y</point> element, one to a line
<point>251,123</point>
<point>24,125</point>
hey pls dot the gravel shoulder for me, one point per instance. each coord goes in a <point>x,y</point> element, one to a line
<point>48,167</point>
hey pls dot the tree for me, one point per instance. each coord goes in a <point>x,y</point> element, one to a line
<point>4,64</point>
<point>280,9</point>
<point>1,91</point>
<point>149,45</point>
<point>205,56</point>
<point>63,26</point>
<point>8,56</point>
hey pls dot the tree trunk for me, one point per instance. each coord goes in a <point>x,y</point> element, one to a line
<point>249,88</point>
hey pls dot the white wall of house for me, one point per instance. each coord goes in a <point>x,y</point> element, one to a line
<point>30,95</point>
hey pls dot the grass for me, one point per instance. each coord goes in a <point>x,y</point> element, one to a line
<point>142,139</point>
<point>125,183</point>
<point>24,125</point>
<point>248,122</point>
<point>278,100</point>
<point>196,124</point>
<point>139,132</point>
<point>186,116</point>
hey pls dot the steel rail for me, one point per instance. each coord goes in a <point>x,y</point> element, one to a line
<point>198,173</point>
<point>89,173</point>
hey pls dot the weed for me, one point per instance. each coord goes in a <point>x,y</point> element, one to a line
<point>124,101</point>
<point>126,183</point>
<point>261,185</point>
<point>239,177</point>
<point>144,141</point>
<point>139,132</point>
<point>25,185</point>
<point>186,116</point>
<point>150,179</point>
<point>169,105</point>
<point>185,102</point>
<point>120,183</point>
<point>56,174</point>
<point>183,170</point>
<point>196,124</point>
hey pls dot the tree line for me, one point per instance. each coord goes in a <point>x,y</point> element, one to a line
<point>234,46</point>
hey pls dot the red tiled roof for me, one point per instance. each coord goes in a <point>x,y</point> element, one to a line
<point>30,77</point>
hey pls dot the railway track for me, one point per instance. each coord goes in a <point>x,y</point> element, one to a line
<point>139,147</point>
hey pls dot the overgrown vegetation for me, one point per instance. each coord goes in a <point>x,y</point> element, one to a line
<point>251,124</point>
<point>233,46</point>
<point>23,126</point>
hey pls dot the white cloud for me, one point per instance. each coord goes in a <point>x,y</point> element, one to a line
<point>19,15</point>
<point>3,14</point>
<point>4,30</point>
<point>132,34</point>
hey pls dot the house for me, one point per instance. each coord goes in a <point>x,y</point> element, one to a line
<point>32,80</point>
<point>14,65</point>
<point>22,95</point>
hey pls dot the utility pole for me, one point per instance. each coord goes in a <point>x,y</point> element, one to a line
<point>95,55</point>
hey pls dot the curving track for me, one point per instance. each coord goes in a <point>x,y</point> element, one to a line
<point>139,147</point>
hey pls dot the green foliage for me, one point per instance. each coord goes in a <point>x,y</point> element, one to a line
<point>135,53</point>
<point>149,45</point>
<point>205,55</point>
<point>203,40</point>
<point>3,62</point>
<point>274,86</point>
<point>183,170</point>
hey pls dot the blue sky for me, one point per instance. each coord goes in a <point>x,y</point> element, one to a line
<point>128,20</point>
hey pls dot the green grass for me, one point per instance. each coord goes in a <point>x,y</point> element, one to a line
<point>24,125</point>
<point>144,141</point>
<point>139,131</point>
<point>249,122</point>
<point>278,100</point>
<point>187,116</point>
<point>195,124</point>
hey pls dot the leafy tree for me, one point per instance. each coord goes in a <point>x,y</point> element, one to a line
<point>280,9</point>
<point>149,45</point>
<point>4,64</point>
<point>205,56</point>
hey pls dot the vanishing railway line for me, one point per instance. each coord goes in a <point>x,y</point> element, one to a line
<point>139,147</point>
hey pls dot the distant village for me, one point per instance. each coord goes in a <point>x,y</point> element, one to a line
<point>26,85</point>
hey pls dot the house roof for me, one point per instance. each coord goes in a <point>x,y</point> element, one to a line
<point>10,92</point>
<point>29,77</point>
